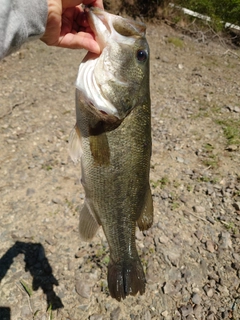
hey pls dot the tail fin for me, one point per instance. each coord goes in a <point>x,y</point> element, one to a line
<point>126,278</point>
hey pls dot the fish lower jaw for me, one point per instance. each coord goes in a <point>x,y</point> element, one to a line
<point>87,85</point>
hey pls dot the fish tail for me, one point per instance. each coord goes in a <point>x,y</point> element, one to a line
<point>125,278</point>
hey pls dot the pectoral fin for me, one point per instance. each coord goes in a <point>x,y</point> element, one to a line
<point>100,149</point>
<point>146,218</point>
<point>88,224</point>
<point>75,144</point>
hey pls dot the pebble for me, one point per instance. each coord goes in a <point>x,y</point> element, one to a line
<point>186,310</point>
<point>210,219</point>
<point>168,288</point>
<point>236,205</point>
<point>232,147</point>
<point>96,317</point>
<point>164,313</point>
<point>57,200</point>
<point>225,240</point>
<point>199,235</point>
<point>180,160</point>
<point>115,314</point>
<point>83,288</point>
<point>163,239</point>
<point>30,191</point>
<point>147,316</point>
<point>236,256</point>
<point>199,209</point>
<point>210,246</point>
<point>198,312</point>
<point>196,299</point>
<point>211,317</point>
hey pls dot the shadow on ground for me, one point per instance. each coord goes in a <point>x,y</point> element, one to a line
<point>37,264</point>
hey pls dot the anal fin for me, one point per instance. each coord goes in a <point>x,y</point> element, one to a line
<point>146,218</point>
<point>88,224</point>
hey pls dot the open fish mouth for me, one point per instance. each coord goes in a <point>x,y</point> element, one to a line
<point>108,27</point>
<point>110,31</point>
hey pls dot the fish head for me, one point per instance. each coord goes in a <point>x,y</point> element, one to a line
<point>116,80</point>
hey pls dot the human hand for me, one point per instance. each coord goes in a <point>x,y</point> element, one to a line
<point>67,25</point>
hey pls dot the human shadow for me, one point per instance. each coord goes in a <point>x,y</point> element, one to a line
<point>5,313</point>
<point>37,264</point>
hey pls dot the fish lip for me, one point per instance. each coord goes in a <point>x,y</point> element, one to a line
<point>98,22</point>
<point>107,27</point>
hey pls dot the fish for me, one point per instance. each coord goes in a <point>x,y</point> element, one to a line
<point>112,138</point>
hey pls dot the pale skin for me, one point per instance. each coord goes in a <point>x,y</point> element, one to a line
<point>67,26</point>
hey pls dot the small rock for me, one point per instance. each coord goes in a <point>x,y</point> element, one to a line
<point>174,257</point>
<point>210,219</point>
<point>236,256</point>
<point>225,240</point>
<point>168,288</point>
<point>236,205</point>
<point>56,201</point>
<point>163,239</point>
<point>83,288</point>
<point>139,235</point>
<point>211,317</point>
<point>223,290</point>
<point>164,313</point>
<point>236,109</point>
<point>198,209</point>
<point>210,246</point>
<point>232,147</point>
<point>147,316</point>
<point>25,311</point>
<point>186,310</point>
<point>180,66</point>
<point>199,234</point>
<point>30,191</point>
<point>209,291</point>
<point>198,312</point>
<point>51,241</point>
<point>180,160</point>
<point>115,314</point>
<point>196,299</point>
<point>81,253</point>
<point>96,317</point>
<point>164,195</point>
<point>183,198</point>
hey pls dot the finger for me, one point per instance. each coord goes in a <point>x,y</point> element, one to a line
<point>81,40</point>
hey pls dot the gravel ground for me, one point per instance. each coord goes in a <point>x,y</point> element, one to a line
<point>191,255</point>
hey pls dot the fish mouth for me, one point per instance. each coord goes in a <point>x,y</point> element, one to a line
<point>106,27</point>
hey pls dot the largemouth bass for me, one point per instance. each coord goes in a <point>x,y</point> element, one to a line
<point>112,137</point>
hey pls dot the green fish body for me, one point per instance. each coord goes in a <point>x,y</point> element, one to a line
<point>113,139</point>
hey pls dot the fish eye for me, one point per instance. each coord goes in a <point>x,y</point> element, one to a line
<point>142,55</point>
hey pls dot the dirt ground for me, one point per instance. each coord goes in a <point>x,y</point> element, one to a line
<point>191,255</point>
